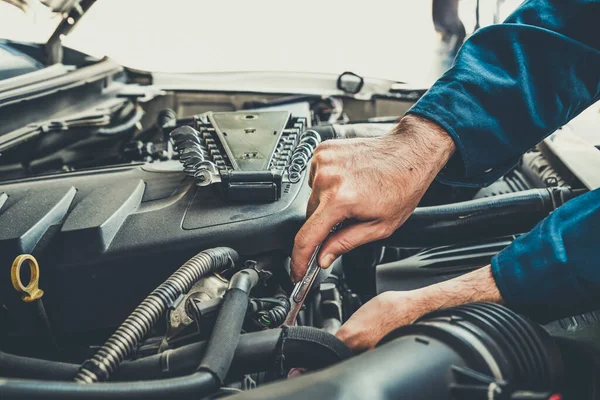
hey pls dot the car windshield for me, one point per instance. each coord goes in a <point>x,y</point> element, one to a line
<point>379,38</point>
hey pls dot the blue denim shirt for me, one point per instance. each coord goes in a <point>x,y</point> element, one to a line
<point>511,85</point>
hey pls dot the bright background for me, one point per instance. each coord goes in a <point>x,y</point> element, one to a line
<point>379,38</point>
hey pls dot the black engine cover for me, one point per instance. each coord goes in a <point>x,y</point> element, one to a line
<point>105,238</point>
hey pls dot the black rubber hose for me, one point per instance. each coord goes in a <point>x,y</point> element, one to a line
<point>478,219</point>
<point>311,348</point>
<point>254,352</point>
<point>271,312</point>
<point>524,352</point>
<point>295,347</point>
<point>303,347</point>
<point>136,327</point>
<point>226,332</point>
<point>35,368</point>
<point>474,351</point>
<point>350,131</point>
<point>187,387</point>
<point>205,381</point>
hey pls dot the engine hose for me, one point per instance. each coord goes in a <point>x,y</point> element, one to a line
<point>522,352</point>
<point>475,351</point>
<point>35,368</point>
<point>478,219</point>
<point>276,315</point>
<point>283,348</point>
<point>354,130</point>
<point>226,332</point>
<point>302,347</point>
<point>136,327</point>
<point>124,127</point>
<point>271,312</point>
<point>207,379</point>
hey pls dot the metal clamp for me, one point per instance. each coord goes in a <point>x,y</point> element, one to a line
<point>31,291</point>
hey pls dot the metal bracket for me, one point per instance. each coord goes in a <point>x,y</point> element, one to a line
<point>54,50</point>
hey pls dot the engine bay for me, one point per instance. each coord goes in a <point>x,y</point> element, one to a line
<point>147,232</point>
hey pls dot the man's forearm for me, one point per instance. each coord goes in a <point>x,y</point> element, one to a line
<point>478,285</point>
<point>390,310</point>
<point>428,142</point>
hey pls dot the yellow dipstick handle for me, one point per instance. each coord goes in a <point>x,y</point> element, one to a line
<point>31,292</point>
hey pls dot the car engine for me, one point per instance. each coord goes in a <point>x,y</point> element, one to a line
<point>145,236</point>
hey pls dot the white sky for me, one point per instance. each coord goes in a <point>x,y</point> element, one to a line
<point>380,38</point>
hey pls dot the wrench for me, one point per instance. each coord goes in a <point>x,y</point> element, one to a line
<point>303,287</point>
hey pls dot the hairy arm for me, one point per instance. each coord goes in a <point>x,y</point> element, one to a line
<point>478,285</point>
<point>390,310</point>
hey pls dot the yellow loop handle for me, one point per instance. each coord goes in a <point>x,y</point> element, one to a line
<point>32,291</point>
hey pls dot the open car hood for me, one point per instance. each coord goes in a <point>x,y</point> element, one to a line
<point>71,12</point>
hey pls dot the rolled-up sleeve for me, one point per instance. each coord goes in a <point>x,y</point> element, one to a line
<point>512,84</point>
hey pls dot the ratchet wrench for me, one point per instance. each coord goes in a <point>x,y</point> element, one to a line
<point>303,287</point>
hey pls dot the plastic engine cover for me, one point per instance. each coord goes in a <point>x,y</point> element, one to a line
<point>105,238</point>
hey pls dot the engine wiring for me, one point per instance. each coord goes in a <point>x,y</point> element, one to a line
<point>270,312</point>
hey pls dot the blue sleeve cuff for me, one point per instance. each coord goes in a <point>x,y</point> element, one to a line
<point>505,272</point>
<point>458,171</point>
<point>552,272</point>
<point>522,286</point>
<point>500,98</point>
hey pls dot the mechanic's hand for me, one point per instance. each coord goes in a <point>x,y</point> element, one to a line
<point>376,183</point>
<point>378,317</point>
